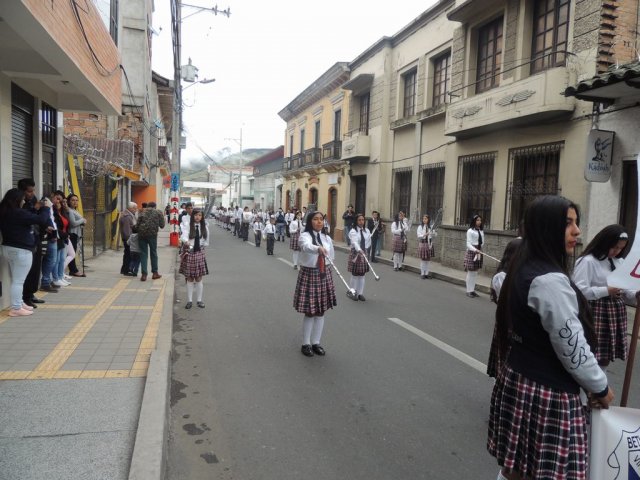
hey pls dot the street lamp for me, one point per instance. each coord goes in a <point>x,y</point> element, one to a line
<point>203,81</point>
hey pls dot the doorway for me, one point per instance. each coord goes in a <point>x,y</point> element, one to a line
<point>332,211</point>
<point>361,193</point>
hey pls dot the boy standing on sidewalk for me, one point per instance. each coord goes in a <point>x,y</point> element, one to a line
<point>134,249</point>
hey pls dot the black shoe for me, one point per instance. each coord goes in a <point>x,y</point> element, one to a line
<point>295,267</point>
<point>318,350</point>
<point>471,294</point>
<point>30,303</point>
<point>352,296</point>
<point>423,276</point>
<point>361,298</point>
<point>48,288</point>
<point>427,276</point>
<point>306,350</point>
<point>373,260</point>
<point>474,294</point>
<point>395,269</point>
<point>200,304</point>
<point>36,300</point>
<point>188,305</point>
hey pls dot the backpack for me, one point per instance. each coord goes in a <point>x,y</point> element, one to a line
<point>146,225</point>
<point>280,218</point>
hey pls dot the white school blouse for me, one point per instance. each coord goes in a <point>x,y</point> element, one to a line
<point>269,228</point>
<point>396,227</point>
<point>309,252</point>
<point>257,227</point>
<point>590,276</point>
<point>424,232</point>
<point>472,239</point>
<point>354,237</point>
<point>204,242</point>
<point>295,226</point>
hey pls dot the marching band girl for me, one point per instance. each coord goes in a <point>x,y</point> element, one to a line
<point>193,264</point>
<point>537,424</point>
<point>425,247</point>
<point>473,257</point>
<point>357,265</point>
<point>295,228</point>
<point>315,292</point>
<point>597,261</point>
<point>269,232</point>
<point>400,229</point>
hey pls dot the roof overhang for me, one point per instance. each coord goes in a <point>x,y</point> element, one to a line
<point>617,84</point>
<point>43,50</point>
<point>360,83</point>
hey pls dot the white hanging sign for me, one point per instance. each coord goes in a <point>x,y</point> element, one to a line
<point>599,156</point>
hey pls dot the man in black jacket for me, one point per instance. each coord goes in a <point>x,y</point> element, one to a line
<point>349,218</point>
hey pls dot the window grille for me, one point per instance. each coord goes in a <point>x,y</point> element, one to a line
<point>475,187</point>
<point>432,193</point>
<point>489,55</point>
<point>364,113</point>
<point>533,172</point>
<point>550,33</point>
<point>441,70</point>
<point>402,190</point>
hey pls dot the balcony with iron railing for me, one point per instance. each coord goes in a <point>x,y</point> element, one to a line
<point>356,145</point>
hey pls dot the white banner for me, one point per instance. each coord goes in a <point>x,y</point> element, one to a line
<point>627,275</point>
<point>615,444</point>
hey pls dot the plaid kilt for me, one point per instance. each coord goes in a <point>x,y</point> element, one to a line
<point>424,251</point>
<point>469,264</point>
<point>193,264</point>
<point>537,431</point>
<point>293,243</point>
<point>399,246</point>
<point>314,294</point>
<point>610,323</point>
<point>356,265</point>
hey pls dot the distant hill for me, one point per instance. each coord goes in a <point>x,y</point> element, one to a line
<point>196,169</point>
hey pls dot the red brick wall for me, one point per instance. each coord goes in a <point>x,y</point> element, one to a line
<point>617,42</point>
<point>57,17</point>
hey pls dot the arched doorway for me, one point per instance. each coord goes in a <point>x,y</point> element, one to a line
<point>298,199</point>
<point>313,199</point>
<point>332,211</point>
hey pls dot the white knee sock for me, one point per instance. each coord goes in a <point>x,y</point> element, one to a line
<point>295,257</point>
<point>318,325</point>
<point>353,283</point>
<point>471,281</point>
<point>189,291</point>
<point>396,260</point>
<point>199,290</point>
<point>427,267</point>
<point>307,325</point>
<point>360,287</point>
<point>423,267</point>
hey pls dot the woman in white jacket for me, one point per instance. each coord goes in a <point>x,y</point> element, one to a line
<point>193,263</point>
<point>315,292</point>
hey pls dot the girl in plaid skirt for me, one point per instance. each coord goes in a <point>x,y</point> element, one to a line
<point>315,292</point>
<point>425,245</point>
<point>295,228</point>
<point>598,260</point>
<point>537,424</point>
<point>400,229</point>
<point>360,239</point>
<point>473,257</point>
<point>193,264</point>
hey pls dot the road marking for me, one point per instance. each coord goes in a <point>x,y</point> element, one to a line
<point>65,348</point>
<point>463,357</point>
<point>286,261</point>
<point>251,243</point>
<point>148,342</point>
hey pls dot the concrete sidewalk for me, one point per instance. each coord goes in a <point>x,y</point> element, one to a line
<point>84,381</point>
<point>437,270</point>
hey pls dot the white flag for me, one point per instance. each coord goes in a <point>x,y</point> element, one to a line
<point>627,275</point>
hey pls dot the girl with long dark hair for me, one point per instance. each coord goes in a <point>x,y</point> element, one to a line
<point>473,256</point>
<point>295,228</point>
<point>193,263</point>
<point>425,247</point>
<point>18,243</point>
<point>360,239</point>
<point>601,257</point>
<point>400,229</point>
<point>315,292</point>
<point>537,424</point>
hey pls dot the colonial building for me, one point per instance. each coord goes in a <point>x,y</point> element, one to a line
<point>314,173</point>
<point>54,57</point>
<point>265,179</point>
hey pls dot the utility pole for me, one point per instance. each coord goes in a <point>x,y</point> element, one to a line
<point>239,142</point>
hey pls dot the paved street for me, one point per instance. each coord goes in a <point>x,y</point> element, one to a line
<point>386,402</point>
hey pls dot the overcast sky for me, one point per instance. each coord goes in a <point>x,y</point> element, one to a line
<point>262,57</point>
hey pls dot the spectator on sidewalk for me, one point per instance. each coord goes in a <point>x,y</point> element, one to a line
<point>134,247</point>
<point>184,219</point>
<point>150,222</point>
<point>32,282</point>
<point>51,256</point>
<point>376,227</point>
<point>18,243</point>
<point>127,221</point>
<point>349,218</point>
<point>61,217</point>
<point>76,225</point>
